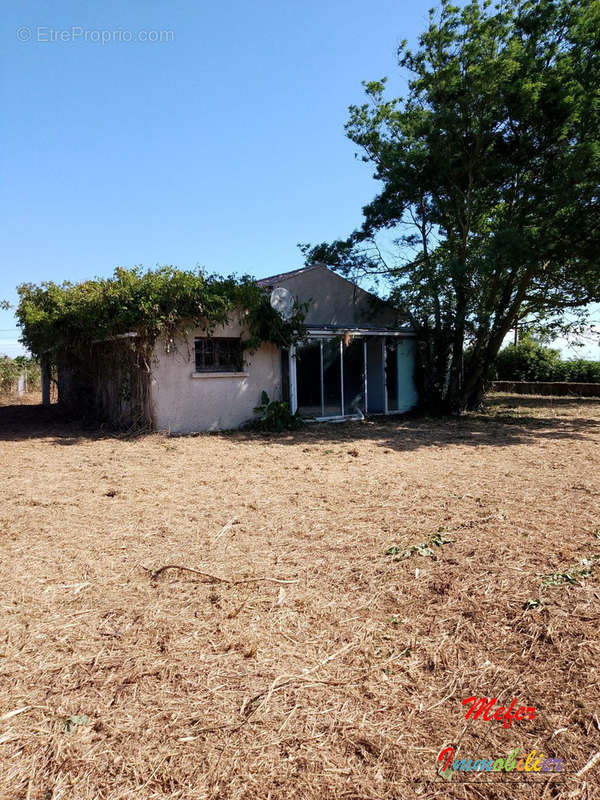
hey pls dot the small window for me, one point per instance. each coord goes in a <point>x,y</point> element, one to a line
<point>219,355</point>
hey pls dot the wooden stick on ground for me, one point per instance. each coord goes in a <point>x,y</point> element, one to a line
<point>157,572</point>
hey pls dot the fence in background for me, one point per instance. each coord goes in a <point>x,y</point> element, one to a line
<point>562,389</point>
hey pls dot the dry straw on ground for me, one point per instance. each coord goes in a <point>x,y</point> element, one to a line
<point>303,662</point>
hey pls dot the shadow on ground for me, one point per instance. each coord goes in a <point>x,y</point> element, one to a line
<point>19,422</point>
<point>508,420</point>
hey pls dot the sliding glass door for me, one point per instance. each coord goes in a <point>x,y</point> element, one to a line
<point>330,377</point>
<point>353,362</point>
<point>369,373</point>
<point>400,366</point>
<point>376,403</point>
<point>308,379</point>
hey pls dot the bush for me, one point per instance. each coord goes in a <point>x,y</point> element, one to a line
<point>12,368</point>
<point>530,361</point>
<point>273,415</point>
<point>581,370</point>
<point>31,368</point>
<point>9,373</point>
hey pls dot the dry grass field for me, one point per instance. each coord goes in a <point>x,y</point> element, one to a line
<point>301,659</point>
<point>28,399</point>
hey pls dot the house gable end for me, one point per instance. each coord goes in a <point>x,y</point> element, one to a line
<point>334,301</point>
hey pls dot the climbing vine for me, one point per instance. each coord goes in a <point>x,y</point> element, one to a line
<point>68,318</point>
<point>101,334</point>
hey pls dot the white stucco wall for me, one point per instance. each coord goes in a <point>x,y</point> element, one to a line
<point>183,403</point>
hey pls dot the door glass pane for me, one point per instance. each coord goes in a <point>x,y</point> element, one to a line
<point>375,375</point>
<point>391,373</point>
<point>400,369</point>
<point>405,361</point>
<point>332,377</point>
<point>354,379</point>
<point>308,378</point>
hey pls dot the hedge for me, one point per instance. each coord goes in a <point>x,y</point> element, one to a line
<point>530,361</point>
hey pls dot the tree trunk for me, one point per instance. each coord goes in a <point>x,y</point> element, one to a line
<point>455,401</point>
<point>444,384</point>
<point>46,381</point>
<point>475,397</point>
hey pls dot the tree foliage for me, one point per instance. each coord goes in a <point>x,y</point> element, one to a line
<point>489,168</point>
<point>67,318</point>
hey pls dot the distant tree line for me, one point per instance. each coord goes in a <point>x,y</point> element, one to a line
<point>12,368</point>
<point>531,361</point>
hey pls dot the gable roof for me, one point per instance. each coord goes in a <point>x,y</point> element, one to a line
<point>334,301</point>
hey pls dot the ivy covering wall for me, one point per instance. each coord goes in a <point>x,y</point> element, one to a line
<point>79,327</point>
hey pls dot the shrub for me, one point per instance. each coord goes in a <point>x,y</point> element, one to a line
<point>31,368</point>
<point>531,361</point>
<point>274,415</point>
<point>528,361</point>
<point>12,368</point>
<point>9,372</point>
<point>581,370</point>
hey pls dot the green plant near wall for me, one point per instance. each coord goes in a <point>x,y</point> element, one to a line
<point>274,415</point>
<point>67,318</point>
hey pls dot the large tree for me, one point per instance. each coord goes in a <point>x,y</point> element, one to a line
<point>489,170</point>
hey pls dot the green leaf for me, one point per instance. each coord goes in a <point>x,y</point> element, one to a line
<point>76,719</point>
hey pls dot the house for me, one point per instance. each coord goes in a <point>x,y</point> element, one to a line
<point>358,358</point>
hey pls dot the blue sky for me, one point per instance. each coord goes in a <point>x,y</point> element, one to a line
<point>221,146</point>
